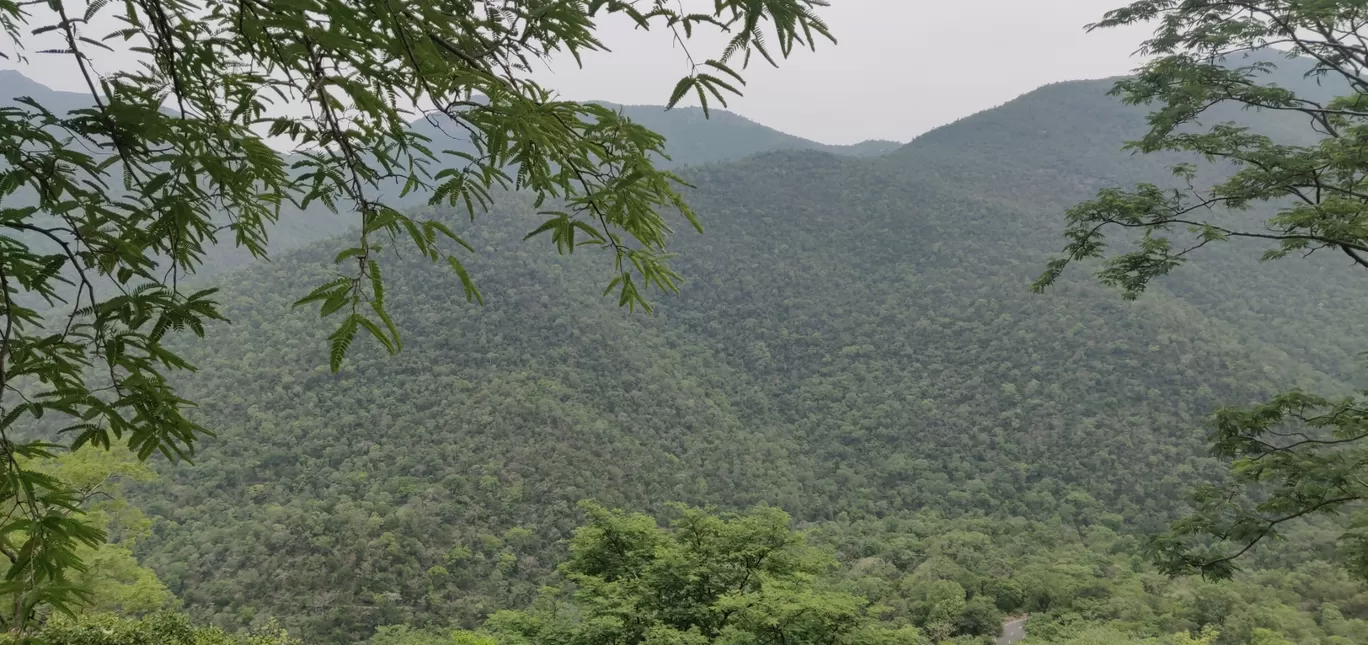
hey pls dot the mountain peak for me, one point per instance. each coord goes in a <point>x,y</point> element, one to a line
<point>15,83</point>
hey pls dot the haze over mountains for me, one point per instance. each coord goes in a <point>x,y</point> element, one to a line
<point>855,341</point>
<point>695,140</point>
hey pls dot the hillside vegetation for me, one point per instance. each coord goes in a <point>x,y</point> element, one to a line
<point>855,341</point>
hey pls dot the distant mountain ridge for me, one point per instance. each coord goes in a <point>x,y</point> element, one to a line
<point>694,139</point>
<point>691,140</point>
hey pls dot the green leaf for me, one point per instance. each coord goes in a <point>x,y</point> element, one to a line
<point>341,341</point>
<point>681,88</point>
<point>471,292</point>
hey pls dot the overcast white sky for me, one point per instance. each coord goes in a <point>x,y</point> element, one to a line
<point>901,67</point>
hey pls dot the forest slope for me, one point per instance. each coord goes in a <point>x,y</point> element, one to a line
<point>855,340</point>
<point>1060,144</point>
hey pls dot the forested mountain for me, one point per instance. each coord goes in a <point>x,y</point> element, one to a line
<point>694,138</point>
<point>1058,145</point>
<point>691,138</point>
<point>855,341</point>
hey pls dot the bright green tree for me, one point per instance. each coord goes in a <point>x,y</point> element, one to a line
<point>112,576</point>
<point>157,629</point>
<point>1261,636</point>
<point>737,579</point>
<point>1298,192</point>
<point>107,211</point>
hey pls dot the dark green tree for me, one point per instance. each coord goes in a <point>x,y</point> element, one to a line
<point>980,617</point>
<point>1297,189</point>
<point>107,211</point>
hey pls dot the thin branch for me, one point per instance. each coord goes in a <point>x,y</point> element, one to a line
<point>1271,524</point>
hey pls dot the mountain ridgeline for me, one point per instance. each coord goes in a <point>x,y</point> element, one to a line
<point>693,139</point>
<point>855,343</point>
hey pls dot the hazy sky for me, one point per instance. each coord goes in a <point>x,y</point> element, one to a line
<point>900,68</point>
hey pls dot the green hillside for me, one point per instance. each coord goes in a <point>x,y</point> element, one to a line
<point>338,323</point>
<point>855,341</point>
<point>1060,144</point>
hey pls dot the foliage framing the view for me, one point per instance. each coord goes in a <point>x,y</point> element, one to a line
<point>107,209</point>
<point>1296,454</point>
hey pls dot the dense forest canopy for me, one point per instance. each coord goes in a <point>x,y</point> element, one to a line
<point>854,423</point>
<point>866,362</point>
